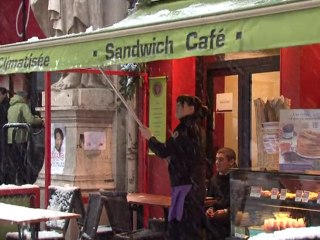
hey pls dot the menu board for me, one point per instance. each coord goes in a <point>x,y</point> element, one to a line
<point>157,107</point>
<point>299,141</point>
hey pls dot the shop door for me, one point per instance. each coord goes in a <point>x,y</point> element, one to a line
<point>240,79</point>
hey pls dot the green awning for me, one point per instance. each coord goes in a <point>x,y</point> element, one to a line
<point>173,30</point>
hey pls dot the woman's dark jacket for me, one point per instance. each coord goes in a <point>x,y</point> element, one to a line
<point>187,158</point>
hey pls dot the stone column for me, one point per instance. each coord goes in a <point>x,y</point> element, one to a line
<point>83,110</point>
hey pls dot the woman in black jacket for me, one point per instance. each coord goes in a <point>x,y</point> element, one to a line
<point>186,158</point>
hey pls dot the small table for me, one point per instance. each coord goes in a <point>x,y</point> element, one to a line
<point>149,199</point>
<point>33,216</point>
<point>142,199</point>
<point>157,200</point>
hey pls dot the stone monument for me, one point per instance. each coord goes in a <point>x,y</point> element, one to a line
<point>78,112</point>
<point>81,104</point>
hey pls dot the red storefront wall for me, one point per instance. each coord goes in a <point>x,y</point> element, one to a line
<point>300,81</point>
<point>300,76</point>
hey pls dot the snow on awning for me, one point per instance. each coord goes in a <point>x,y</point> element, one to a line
<point>173,30</point>
<point>173,11</point>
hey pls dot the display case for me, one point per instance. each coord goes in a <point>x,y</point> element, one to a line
<point>265,205</point>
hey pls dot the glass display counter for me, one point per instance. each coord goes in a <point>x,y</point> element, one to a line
<point>265,205</point>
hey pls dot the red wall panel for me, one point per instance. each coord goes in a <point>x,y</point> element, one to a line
<point>181,80</point>
<point>184,82</point>
<point>310,77</point>
<point>300,75</point>
<point>158,179</point>
<point>218,136</point>
<point>11,26</point>
<point>290,74</point>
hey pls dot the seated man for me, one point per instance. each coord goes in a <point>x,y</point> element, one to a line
<point>219,188</point>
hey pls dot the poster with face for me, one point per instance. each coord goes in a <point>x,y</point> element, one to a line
<point>58,146</point>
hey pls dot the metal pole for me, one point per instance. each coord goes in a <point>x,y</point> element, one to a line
<point>132,113</point>
<point>47,125</point>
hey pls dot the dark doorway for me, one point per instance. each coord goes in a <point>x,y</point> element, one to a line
<point>241,72</point>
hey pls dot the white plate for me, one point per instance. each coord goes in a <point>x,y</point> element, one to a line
<point>309,157</point>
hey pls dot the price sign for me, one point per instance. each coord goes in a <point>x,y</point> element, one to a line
<point>255,191</point>
<point>274,193</point>
<point>283,194</point>
<point>240,232</point>
<point>298,197</point>
<point>305,196</point>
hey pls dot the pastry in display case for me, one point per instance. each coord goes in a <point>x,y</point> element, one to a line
<point>274,205</point>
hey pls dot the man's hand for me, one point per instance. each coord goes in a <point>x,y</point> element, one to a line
<point>145,132</point>
<point>220,214</point>
<point>210,212</point>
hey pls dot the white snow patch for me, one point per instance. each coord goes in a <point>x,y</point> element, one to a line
<point>60,201</point>
<point>33,39</point>
<point>11,186</point>
<point>89,29</point>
